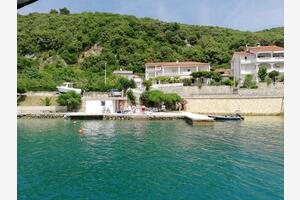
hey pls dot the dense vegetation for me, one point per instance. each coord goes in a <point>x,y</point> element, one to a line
<point>157,98</point>
<point>58,47</point>
<point>69,99</point>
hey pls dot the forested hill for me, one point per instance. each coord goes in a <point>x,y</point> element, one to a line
<point>82,43</point>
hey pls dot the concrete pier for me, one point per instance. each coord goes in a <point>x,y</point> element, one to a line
<point>191,118</point>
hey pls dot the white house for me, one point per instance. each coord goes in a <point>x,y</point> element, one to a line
<point>173,69</point>
<point>250,60</point>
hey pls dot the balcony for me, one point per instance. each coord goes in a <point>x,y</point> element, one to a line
<point>270,59</point>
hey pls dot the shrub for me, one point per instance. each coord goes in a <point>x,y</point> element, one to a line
<point>21,89</point>
<point>46,101</point>
<point>262,73</point>
<point>187,82</point>
<point>216,76</point>
<point>273,74</point>
<point>268,80</point>
<point>253,85</point>
<point>131,97</point>
<point>248,80</point>
<point>228,82</point>
<point>155,98</point>
<point>69,99</point>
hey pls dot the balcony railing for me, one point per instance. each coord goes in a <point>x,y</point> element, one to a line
<point>269,59</point>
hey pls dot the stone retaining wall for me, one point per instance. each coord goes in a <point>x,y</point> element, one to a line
<point>194,91</point>
<point>41,109</point>
<point>230,105</point>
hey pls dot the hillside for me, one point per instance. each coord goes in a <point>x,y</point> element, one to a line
<point>53,48</point>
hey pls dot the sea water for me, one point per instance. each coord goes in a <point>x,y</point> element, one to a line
<point>150,159</point>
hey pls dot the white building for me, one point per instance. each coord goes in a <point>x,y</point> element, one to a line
<point>124,73</point>
<point>101,105</point>
<point>249,61</point>
<point>174,69</point>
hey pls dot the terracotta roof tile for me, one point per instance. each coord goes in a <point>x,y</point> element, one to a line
<point>266,48</point>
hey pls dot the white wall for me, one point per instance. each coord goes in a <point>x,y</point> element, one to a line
<point>95,106</point>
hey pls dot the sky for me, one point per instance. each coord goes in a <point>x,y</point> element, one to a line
<point>246,15</point>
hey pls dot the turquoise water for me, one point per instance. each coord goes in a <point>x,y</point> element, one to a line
<point>150,159</point>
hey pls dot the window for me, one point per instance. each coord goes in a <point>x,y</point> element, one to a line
<point>102,103</point>
<point>245,57</point>
<point>189,70</point>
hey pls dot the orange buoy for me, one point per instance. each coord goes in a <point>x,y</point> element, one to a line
<point>80,131</point>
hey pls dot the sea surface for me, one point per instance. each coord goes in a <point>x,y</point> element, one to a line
<point>150,159</point>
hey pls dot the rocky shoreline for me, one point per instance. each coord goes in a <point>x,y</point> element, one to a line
<point>100,117</point>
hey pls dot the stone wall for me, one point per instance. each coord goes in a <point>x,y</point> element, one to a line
<point>41,109</point>
<point>229,105</point>
<point>264,90</point>
<point>194,91</point>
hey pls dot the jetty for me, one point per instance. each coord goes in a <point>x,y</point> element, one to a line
<point>191,118</point>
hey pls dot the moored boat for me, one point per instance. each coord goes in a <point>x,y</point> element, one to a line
<point>225,117</point>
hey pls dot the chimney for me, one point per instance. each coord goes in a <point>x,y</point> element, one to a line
<point>177,61</point>
<point>258,44</point>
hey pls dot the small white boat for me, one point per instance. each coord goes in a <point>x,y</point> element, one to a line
<point>67,87</point>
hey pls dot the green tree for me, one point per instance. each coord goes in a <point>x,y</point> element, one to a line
<point>147,84</point>
<point>53,11</point>
<point>131,97</point>
<point>273,74</point>
<point>125,84</point>
<point>69,99</point>
<point>156,98</point>
<point>64,11</point>
<point>262,73</point>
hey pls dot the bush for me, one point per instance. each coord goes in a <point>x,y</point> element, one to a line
<point>253,85</point>
<point>262,73</point>
<point>46,101</point>
<point>21,89</point>
<point>156,98</point>
<point>268,80</point>
<point>273,74</point>
<point>248,80</point>
<point>131,97</point>
<point>228,82</point>
<point>187,82</point>
<point>69,99</point>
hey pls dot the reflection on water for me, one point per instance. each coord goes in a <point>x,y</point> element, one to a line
<point>150,159</point>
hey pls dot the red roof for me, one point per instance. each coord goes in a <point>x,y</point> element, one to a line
<point>266,48</point>
<point>175,64</point>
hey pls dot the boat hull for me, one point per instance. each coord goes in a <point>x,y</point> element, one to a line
<point>223,118</point>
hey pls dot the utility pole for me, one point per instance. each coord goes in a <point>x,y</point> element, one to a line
<point>105,74</point>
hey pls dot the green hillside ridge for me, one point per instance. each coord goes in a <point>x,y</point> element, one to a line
<point>53,48</point>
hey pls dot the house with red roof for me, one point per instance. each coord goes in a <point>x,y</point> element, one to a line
<point>250,60</point>
<point>174,69</point>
